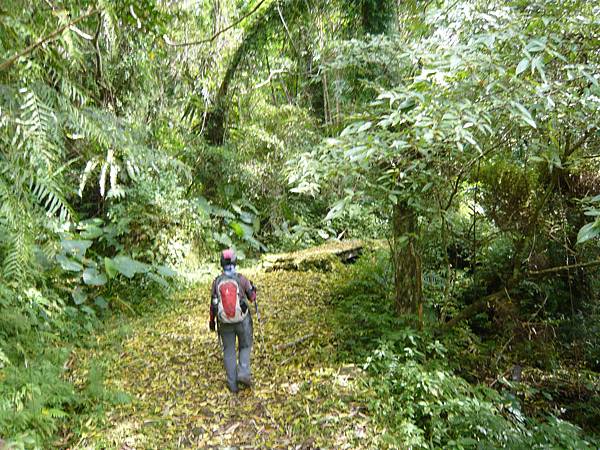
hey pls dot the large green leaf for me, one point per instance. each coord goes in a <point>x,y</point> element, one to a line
<point>75,247</point>
<point>69,264</point>
<point>92,232</point>
<point>166,271</point>
<point>101,302</point>
<point>588,231</point>
<point>110,267</point>
<point>127,266</point>
<point>92,277</point>
<point>522,66</point>
<point>237,228</point>
<point>79,295</point>
<point>524,114</point>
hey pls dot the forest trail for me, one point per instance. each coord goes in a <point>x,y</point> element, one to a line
<point>170,365</point>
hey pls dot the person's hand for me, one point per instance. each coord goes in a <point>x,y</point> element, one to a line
<point>212,325</point>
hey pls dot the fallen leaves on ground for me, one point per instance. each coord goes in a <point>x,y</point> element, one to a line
<point>171,366</point>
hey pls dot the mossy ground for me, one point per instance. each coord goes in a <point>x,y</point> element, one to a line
<point>170,365</point>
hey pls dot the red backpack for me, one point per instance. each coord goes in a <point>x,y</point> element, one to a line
<point>229,300</point>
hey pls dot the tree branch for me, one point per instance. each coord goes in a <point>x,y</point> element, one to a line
<point>473,309</point>
<point>9,62</point>
<point>570,149</point>
<point>217,34</point>
<point>81,33</point>
<point>294,343</point>
<point>481,304</point>
<point>563,268</point>
<point>97,49</point>
<point>287,31</point>
<point>272,74</point>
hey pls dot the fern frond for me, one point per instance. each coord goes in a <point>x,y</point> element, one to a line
<point>13,245</point>
<point>50,197</point>
<point>38,135</point>
<point>69,89</point>
<point>18,253</point>
<point>55,413</point>
<point>8,203</point>
<point>99,127</point>
<point>109,26</point>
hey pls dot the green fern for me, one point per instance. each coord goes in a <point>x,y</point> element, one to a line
<point>40,129</point>
<point>18,253</point>
<point>50,196</point>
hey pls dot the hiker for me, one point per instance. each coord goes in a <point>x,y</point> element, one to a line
<point>230,317</point>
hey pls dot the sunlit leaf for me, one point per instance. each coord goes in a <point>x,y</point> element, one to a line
<point>588,231</point>
<point>79,295</point>
<point>522,112</point>
<point>92,277</point>
<point>69,264</point>
<point>522,66</point>
<point>76,247</point>
<point>127,266</point>
<point>110,267</point>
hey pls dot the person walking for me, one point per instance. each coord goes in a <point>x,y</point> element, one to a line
<point>230,317</point>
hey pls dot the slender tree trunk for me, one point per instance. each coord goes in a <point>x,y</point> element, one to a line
<point>407,261</point>
<point>315,87</point>
<point>264,22</point>
<point>215,121</point>
<point>376,15</point>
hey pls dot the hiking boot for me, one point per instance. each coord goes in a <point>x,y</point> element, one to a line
<point>246,382</point>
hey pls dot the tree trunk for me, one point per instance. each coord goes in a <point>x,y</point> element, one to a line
<point>407,261</point>
<point>215,119</point>
<point>256,35</point>
<point>376,15</point>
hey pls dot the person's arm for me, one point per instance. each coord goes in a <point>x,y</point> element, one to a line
<point>249,288</point>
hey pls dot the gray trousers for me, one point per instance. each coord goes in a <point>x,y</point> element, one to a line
<point>237,371</point>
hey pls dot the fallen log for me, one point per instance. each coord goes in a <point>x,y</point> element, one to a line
<point>322,258</point>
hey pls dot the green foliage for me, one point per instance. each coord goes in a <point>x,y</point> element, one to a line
<point>36,395</point>
<point>363,305</point>
<point>592,229</point>
<point>61,126</point>
<point>426,406</point>
<point>481,118</point>
<point>413,393</point>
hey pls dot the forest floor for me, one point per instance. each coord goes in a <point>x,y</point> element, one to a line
<point>170,366</point>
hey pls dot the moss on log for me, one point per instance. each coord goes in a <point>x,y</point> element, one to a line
<point>323,258</point>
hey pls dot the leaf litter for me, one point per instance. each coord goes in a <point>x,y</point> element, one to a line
<point>170,365</point>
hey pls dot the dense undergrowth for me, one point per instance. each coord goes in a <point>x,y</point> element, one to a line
<point>417,392</point>
<point>36,396</point>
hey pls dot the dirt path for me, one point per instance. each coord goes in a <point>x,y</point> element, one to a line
<point>170,365</point>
